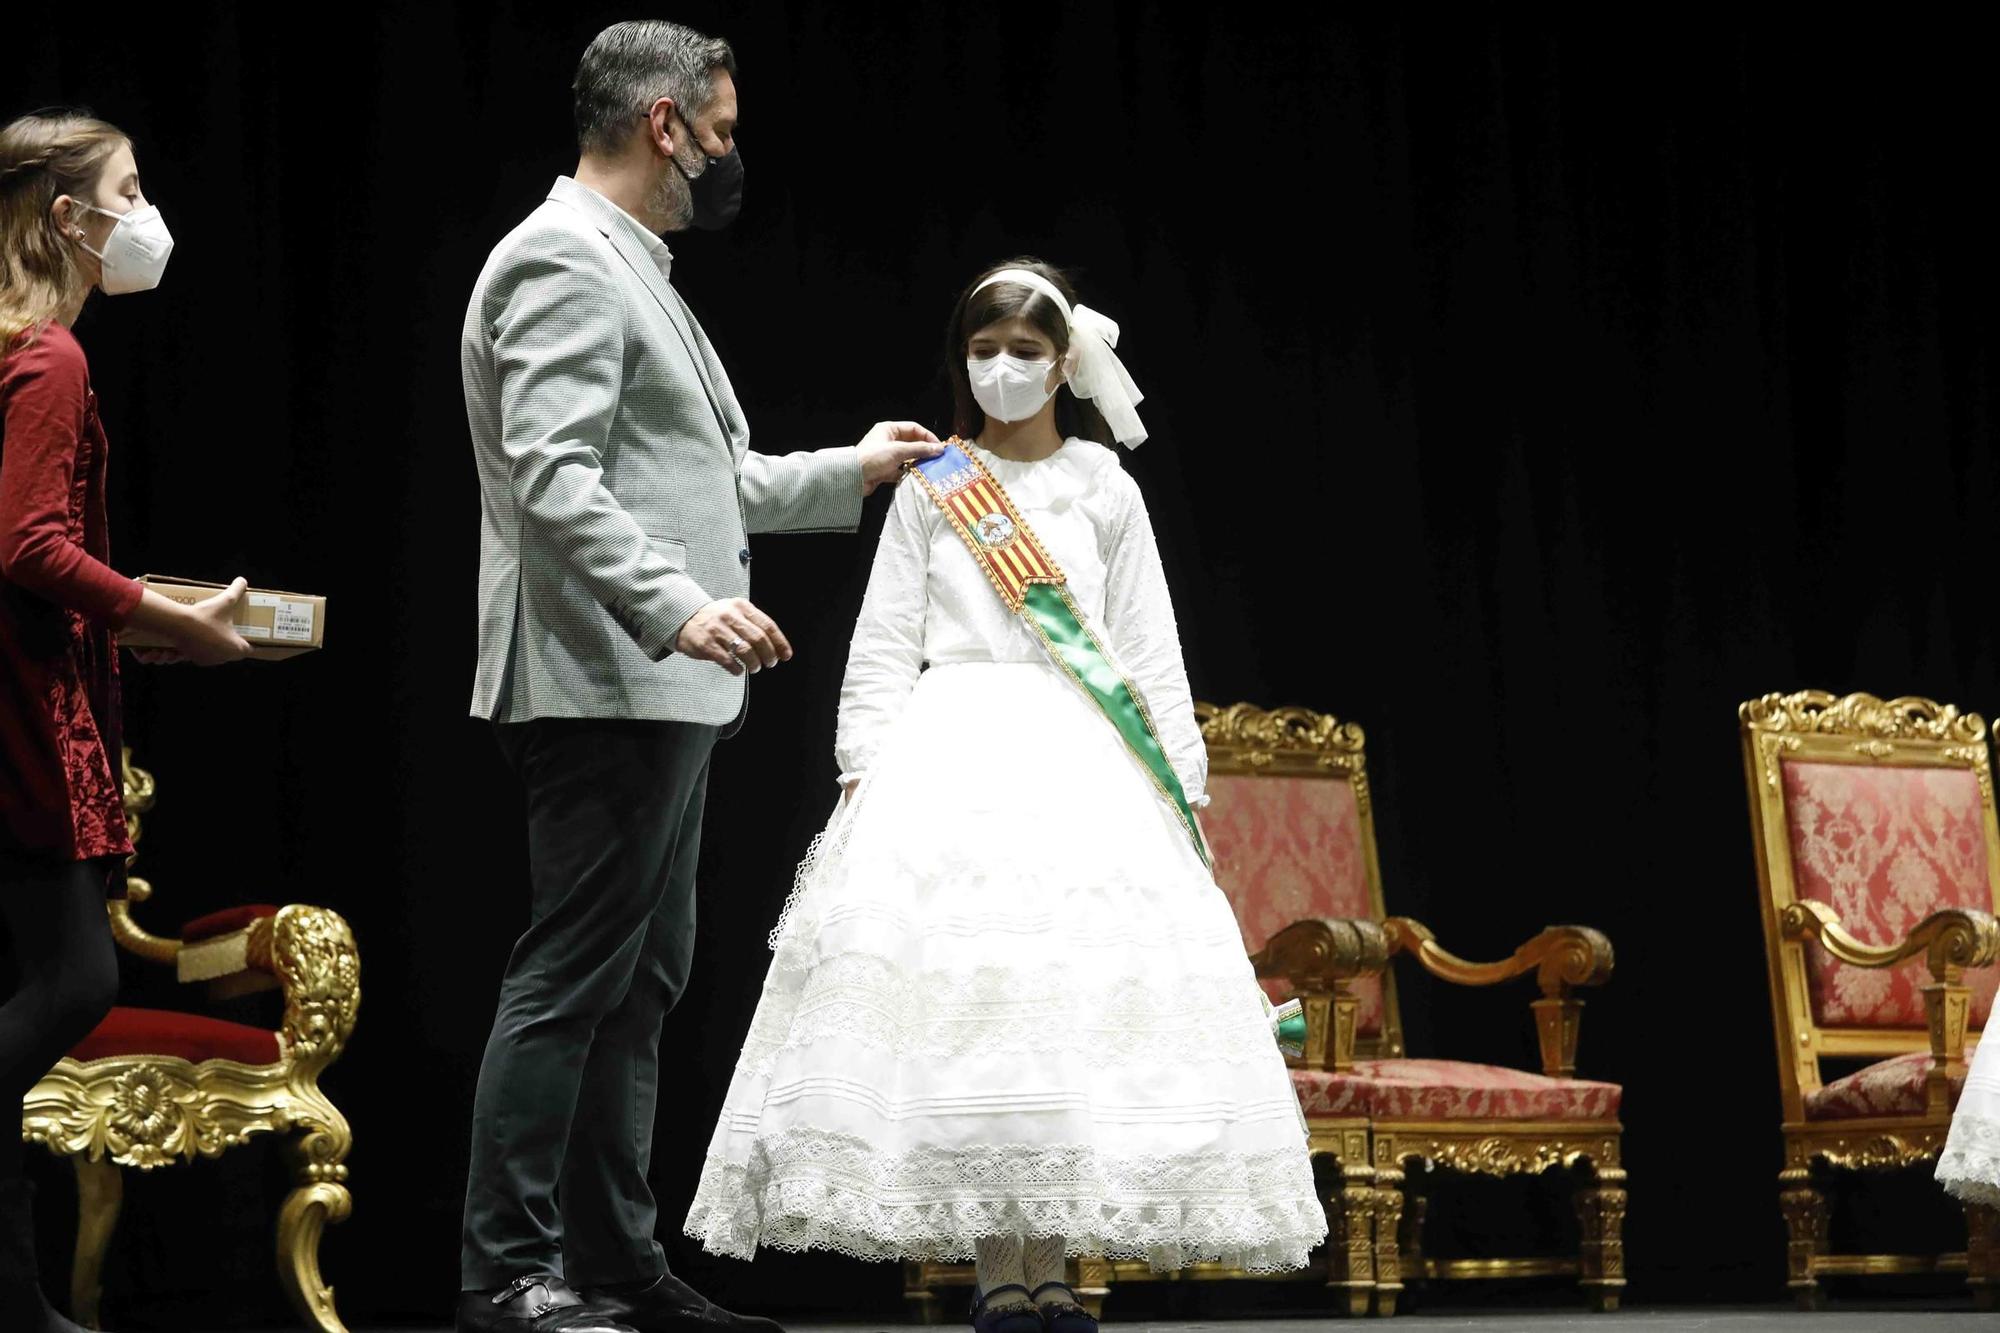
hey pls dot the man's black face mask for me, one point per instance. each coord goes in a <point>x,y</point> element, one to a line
<point>717,192</point>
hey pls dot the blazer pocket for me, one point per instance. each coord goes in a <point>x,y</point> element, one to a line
<point>673,548</point>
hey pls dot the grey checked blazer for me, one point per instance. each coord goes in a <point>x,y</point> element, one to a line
<point>616,484</point>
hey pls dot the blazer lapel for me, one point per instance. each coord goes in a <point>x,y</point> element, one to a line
<point>595,208</point>
<point>721,397</point>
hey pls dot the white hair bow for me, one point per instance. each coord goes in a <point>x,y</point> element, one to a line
<point>1091,367</point>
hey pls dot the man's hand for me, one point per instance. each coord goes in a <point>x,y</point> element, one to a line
<point>734,635</point>
<point>891,444</point>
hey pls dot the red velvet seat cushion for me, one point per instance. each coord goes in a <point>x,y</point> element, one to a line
<point>1887,1087</point>
<point>1451,1090</point>
<point>189,1036</point>
<point>221,923</point>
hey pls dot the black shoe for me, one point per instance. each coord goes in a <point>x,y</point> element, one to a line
<point>669,1305</point>
<point>21,1296</point>
<point>988,1318</point>
<point>539,1304</point>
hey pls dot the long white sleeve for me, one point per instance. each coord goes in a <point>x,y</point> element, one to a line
<point>887,653</point>
<point>1139,616</point>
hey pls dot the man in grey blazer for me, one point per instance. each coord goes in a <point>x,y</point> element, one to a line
<point>615,635</point>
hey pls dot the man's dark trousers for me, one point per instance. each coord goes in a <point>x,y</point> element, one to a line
<point>562,1123</point>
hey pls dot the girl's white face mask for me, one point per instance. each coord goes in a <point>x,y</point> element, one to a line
<point>135,253</point>
<point>1008,388</point>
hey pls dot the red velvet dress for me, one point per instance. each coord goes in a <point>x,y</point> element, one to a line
<point>60,603</point>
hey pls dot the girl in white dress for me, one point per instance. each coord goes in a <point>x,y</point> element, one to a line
<point>1009,1017</point>
<point>1969,1166</point>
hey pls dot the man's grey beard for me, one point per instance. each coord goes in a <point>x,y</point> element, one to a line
<point>671,198</point>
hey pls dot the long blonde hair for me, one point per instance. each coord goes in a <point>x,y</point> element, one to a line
<point>44,155</point>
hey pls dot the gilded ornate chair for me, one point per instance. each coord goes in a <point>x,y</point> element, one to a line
<point>1292,829</point>
<point>150,1087</point>
<point>1878,862</point>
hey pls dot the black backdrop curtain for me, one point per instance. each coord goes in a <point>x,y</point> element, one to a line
<point>1529,394</point>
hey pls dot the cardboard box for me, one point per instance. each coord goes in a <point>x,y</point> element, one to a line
<point>276,624</point>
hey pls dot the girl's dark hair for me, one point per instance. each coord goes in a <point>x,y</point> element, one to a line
<point>1003,300</point>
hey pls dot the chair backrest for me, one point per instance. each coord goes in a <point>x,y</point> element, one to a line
<point>1293,836</point>
<point>1883,811</point>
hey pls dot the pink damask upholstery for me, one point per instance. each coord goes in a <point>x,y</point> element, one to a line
<point>1885,847</point>
<point>1287,848</point>
<point>1451,1090</point>
<point>1888,1087</point>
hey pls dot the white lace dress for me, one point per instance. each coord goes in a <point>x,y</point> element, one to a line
<point>1007,997</point>
<point>1969,1166</point>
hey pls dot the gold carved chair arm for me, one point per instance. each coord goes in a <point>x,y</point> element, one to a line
<point>233,964</point>
<point>1321,956</point>
<point>1951,941</point>
<point>133,937</point>
<point>1561,957</point>
<point>139,791</point>
<point>1954,939</point>
<point>314,957</point>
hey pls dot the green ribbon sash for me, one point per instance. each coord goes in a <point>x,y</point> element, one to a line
<point>1033,586</point>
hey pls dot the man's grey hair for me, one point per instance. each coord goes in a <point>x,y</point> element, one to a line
<point>632,65</point>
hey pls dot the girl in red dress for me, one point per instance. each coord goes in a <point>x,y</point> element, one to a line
<point>72,220</point>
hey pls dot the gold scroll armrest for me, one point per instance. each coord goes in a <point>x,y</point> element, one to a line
<point>1561,957</point>
<point>133,937</point>
<point>1951,941</point>
<point>1320,956</point>
<point>139,791</point>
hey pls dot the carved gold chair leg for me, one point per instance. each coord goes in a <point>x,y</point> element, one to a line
<point>1416,1206</point>
<point>100,1192</point>
<point>1350,1240</point>
<point>321,1197</point>
<point>1090,1279</point>
<point>1805,1208</point>
<point>1600,1209</point>
<point>1982,1254</point>
<point>1388,1231</point>
<point>921,1296</point>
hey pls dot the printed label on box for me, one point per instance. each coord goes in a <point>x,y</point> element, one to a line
<point>292,622</point>
<point>264,599</point>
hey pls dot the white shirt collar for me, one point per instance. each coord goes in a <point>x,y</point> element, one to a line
<point>662,257</point>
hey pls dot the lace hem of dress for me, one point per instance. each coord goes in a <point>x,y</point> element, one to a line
<point>1969,1166</point>
<point>814,1189</point>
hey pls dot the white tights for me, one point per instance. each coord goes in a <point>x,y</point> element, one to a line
<point>1006,1261</point>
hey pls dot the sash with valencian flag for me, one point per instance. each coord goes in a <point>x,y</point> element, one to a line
<point>1029,581</point>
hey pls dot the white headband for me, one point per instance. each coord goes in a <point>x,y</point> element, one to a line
<point>1093,369</point>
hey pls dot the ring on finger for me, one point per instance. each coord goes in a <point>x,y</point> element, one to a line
<point>737,647</point>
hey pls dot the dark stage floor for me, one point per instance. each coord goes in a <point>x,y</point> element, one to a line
<point>1513,1321</point>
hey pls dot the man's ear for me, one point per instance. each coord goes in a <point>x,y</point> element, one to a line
<point>660,119</point>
